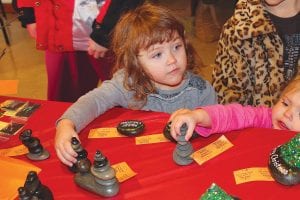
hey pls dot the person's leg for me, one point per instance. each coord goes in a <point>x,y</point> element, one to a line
<point>91,70</point>
<point>194,5</point>
<point>64,78</point>
<point>213,13</point>
<point>103,66</point>
<point>54,67</point>
<point>82,71</point>
<point>72,74</point>
<point>210,4</point>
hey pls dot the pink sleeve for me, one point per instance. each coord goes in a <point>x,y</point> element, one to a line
<point>230,117</point>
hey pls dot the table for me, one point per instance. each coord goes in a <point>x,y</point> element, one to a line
<point>158,177</point>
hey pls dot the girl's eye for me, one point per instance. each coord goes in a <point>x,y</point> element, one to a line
<point>284,103</point>
<point>156,55</point>
<point>178,46</point>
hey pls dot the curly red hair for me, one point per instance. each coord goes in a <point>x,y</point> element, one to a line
<point>139,29</point>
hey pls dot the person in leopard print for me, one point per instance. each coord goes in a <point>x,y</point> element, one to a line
<point>258,52</point>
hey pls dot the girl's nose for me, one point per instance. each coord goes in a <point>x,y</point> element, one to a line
<point>171,58</point>
<point>288,114</point>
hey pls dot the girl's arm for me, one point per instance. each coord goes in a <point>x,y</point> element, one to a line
<point>219,119</point>
<point>230,117</point>
<point>86,109</point>
<point>111,93</point>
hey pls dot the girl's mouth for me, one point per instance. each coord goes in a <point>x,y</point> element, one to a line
<point>174,71</point>
<point>282,126</point>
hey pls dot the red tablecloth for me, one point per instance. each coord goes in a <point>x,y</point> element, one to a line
<point>158,177</point>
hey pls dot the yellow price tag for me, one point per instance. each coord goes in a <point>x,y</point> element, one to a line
<point>212,150</point>
<point>252,174</point>
<point>150,139</point>
<point>123,171</point>
<point>104,133</point>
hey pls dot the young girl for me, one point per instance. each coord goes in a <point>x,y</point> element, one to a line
<point>153,71</point>
<point>285,115</point>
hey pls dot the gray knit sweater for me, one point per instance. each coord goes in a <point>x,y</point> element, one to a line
<point>193,93</point>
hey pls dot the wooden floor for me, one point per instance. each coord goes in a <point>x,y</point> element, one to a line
<point>21,61</point>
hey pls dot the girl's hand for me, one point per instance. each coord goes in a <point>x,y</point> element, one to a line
<point>191,118</point>
<point>96,50</point>
<point>180,117</point>
<point>31,28</point>
<point>64,133</point>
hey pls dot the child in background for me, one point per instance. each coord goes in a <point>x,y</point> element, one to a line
<point>153,71</point>
<point>258,52</point>
<point>285,115</point>
<point>75,37</point>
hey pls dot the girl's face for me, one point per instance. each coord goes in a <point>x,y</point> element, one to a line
<point>286,113</point>
<point>165,63</point>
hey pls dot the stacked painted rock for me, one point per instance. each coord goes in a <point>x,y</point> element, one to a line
<point>82,159</point>
<point>167,133</point>
<point>101,179</point>
<point>23,194</point>
<point>284,162</point>
<point>216,193</point>
<point>36,150</point>
<point>183,150</point>
<point>34,189</point>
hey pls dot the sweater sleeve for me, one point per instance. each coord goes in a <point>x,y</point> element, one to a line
<point>108,17</point>
<point>111,93</point>
<point>230,117</point>
<point>25,14</point>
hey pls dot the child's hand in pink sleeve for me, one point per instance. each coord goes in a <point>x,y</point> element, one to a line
<point>192,118</point>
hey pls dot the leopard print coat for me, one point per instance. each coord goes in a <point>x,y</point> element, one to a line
<point>249,60</point>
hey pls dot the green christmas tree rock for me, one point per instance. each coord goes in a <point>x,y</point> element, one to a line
<point>284,162</point>
<point>215,193</point>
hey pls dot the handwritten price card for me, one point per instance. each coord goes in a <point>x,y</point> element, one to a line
<point>150,139</point>
<point>104,133</point>
<point>123,171</point>
<point>212,150</point>
<point>252,174</point>
<point>14,151</point>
